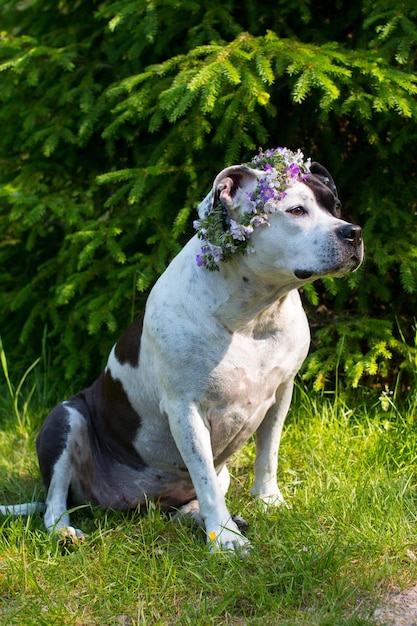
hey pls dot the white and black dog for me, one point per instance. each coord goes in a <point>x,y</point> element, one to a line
<point>212,362</point>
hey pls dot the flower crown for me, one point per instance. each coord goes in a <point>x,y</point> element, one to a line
<point>221,235</point>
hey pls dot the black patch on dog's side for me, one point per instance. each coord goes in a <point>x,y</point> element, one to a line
<point>113,420</point>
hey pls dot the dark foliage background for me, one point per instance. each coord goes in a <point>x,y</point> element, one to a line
<point>116,116</point>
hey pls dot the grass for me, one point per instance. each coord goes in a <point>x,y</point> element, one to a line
<point>348,535</point>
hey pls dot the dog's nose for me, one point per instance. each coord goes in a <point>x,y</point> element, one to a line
<point>351,233</point>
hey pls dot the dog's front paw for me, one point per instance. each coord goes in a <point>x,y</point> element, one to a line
<point>271,499</point>
<point>228,539</point>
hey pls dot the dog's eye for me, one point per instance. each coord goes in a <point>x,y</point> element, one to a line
<point>297,210</point>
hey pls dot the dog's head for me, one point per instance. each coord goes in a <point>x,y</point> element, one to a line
<point>303,236</point>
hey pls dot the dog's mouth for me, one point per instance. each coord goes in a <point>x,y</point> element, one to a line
<point>303,274</point>
<point>350,265</point>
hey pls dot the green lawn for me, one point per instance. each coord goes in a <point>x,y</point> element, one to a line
<point>347,536</point>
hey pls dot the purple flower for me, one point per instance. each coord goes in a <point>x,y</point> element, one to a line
<point>215,251</point>
<point>200,260</point>
<point>239,231</point>
<point>293,170</point>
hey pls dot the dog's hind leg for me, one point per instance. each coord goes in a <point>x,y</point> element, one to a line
<point>190,512</point>
<point>56,444</point>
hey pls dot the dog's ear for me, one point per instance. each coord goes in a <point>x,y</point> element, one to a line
<point>324,176</point>
<point>230,187</point>
<point>205,206</point>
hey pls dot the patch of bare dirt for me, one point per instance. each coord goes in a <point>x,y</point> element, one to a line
<point>399,609</point>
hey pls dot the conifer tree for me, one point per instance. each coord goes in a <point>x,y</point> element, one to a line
<point>116,117</point>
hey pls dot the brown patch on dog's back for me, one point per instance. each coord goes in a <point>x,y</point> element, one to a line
<point>128,347</point>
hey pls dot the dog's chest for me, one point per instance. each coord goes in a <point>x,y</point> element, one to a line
<point>242,388</point>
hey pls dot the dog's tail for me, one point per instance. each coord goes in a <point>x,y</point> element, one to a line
<point>22,509</point>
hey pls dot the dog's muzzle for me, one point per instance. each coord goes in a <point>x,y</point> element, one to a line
<point>350,239</point>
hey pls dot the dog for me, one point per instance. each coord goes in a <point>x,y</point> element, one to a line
<point>211,362</point>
